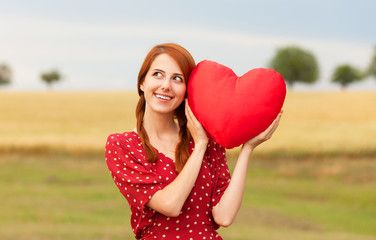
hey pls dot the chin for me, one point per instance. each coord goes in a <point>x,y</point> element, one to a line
<point>162,110</point>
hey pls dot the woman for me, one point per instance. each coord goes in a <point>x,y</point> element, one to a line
<point>174,177</point>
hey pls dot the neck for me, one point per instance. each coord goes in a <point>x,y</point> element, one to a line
<point>158,125</point>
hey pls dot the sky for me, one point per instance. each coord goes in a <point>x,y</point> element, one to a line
<point>100,45</point>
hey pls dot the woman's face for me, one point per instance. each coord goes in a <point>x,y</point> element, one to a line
<point>164,85</point>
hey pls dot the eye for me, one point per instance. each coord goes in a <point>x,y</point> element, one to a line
<point>177,78</point>
<point>157,74</point>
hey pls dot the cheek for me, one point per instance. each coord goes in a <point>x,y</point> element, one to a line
<point>147,85</point>
<point>182,90</point>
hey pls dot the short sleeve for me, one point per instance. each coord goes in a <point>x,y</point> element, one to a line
<point>136,179</point>
<point>223,175</point>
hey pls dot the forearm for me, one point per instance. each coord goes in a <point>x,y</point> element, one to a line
<point>225,211</point>
<point>170,200</point>
<point>227,208</point>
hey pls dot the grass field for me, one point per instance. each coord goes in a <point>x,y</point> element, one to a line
<point>316,179</point>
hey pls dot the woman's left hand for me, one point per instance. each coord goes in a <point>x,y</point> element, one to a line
<point>265,135</point>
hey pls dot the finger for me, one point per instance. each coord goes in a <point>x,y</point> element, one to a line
<point>191,114</point>
<point>187,108</point>
<point>272,124</point>
<point>277,120</point>
<point>188,113</point>
<point>271,129</point>
<point>276,123</point>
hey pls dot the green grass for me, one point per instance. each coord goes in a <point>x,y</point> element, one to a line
<point>305,198</point>
<point>52,196</point>
<point>59,197</point>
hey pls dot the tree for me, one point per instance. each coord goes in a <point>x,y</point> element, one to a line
<point>371,71</point>
<point>50,77</point>
<point>295,65</point>
<point>5,74</point>
<point>346,74</point>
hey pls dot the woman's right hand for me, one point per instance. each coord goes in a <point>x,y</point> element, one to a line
<point>194,126</point>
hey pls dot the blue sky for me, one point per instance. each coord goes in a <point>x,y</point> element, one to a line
<point>100,45</point>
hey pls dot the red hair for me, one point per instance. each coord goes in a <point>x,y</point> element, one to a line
<point>186,63</point>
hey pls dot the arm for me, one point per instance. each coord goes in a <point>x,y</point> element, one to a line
<point>170,200</point>
<point>225,211</point>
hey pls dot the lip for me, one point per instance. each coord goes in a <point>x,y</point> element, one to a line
<point>163,95</point>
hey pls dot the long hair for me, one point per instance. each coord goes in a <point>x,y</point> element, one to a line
<point>186,63</point>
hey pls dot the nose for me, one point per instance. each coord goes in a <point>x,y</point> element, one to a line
<point>166,85</point>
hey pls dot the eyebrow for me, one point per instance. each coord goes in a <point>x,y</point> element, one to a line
<point>178,74</point>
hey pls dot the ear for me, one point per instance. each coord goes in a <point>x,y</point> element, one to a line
<point>142,87</point>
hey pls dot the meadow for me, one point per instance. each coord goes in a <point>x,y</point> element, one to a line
<point>316,178</point>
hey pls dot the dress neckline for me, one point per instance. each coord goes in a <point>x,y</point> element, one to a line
<point>159,152</point>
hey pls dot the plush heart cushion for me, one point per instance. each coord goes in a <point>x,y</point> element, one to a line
<point>234,109</point>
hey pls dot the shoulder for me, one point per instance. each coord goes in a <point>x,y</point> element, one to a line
<point>125,148</point>
<point>124,140</point>
<point>126,137</point>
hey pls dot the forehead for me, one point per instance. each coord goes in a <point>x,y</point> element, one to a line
<point>166,63</point>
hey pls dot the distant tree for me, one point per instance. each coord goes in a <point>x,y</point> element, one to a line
<point>295,65</point>
<point>50,77</point>
<point>371,70</point>
<point>5,74</point>
<point>346,74</point>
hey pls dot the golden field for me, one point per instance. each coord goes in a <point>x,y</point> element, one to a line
<point>333,123</point>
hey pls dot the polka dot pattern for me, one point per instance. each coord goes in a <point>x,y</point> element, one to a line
<point>138,180</point>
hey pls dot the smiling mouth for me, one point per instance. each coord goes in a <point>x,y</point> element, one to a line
<point>163,97</point>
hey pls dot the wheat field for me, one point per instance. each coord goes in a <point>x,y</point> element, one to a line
<point>335,123</point>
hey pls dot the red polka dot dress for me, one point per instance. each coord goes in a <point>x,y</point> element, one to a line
<point>138,180</point>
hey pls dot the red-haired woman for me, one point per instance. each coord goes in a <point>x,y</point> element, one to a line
<point>174,177</point>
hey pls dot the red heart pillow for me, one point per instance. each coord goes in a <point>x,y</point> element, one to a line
<point>234,109</point>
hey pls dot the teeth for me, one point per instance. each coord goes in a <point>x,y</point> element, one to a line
<point>163,97</point>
